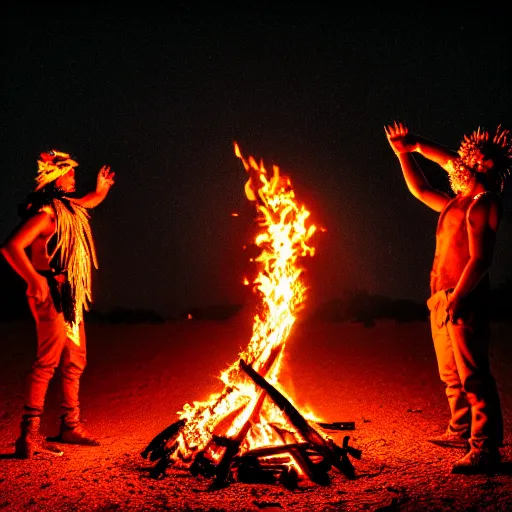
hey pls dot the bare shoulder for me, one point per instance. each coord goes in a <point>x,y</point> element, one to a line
<point>485,209</point>
<point>485,201</point>
<point>48,210</point>
<point>41,223</point>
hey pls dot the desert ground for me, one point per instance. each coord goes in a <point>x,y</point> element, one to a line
<point>382,377</point>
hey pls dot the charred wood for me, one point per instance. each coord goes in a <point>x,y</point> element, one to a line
<point>266,451</point>
<point>157,446</point>
<point>336,455</point>
<point>338,425</point>
<point>233,444</point>
<point>203,466</point>
<point>315,472</point>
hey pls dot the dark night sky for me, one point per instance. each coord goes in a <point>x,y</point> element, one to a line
<point>161,96</point>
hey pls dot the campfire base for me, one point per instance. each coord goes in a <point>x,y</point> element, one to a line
<point>285,463</point>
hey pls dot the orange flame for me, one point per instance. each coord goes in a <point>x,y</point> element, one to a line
<point>283,239</point>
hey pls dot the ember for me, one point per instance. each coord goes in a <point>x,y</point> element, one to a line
<point>251,431</point>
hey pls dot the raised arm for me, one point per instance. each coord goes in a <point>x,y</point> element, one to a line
<point>433,151</point>
<point>403,145</point>
<point>14,252</point>
<point>104,181</point>
<point>428,149</point>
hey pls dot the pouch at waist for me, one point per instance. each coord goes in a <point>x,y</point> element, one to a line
<point>59,290</point>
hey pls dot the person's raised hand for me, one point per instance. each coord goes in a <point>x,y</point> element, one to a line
<point>398,137</point>
<point>105,179</point>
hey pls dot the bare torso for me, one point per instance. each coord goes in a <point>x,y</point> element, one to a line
<point>38,248</point>
<point>452,244</point>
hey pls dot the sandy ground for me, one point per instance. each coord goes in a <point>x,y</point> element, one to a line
<point>384,378</point>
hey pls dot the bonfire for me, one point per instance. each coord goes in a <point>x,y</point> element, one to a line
<point>251,431</point>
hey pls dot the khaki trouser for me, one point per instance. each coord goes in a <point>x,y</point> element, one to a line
<point>54,348</point>
<point>462,352</point>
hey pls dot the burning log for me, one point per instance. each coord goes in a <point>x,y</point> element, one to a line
<point>251,470</point>
<point>264,465</point>
<point>273,461</point>
<point>156,448</point>
<point>316,472</point>
<point>164,444</point>
<point>250,467</point>
<point>334,454</point>
<point>270,463</point>
<point>233,444</point>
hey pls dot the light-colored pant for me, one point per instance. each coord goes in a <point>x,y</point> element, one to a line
<point>54,348</point>
<point>462,352</point>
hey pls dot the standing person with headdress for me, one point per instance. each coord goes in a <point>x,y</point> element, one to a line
<point>53,251</point>
<point>459,281</point>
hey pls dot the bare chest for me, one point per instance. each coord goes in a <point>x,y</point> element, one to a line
<point>452,221</point>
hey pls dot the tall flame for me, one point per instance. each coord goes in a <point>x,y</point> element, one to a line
<point>283,240</point>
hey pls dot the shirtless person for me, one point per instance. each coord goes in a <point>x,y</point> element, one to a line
<point>465,241</point>
<point>53,251</point>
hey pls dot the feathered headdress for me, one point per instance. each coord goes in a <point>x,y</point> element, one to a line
<point>480,145</point>
<point>51,166</point>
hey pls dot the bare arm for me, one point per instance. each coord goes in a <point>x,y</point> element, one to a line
<point>417,184</point>
<point>104,182</point>
<point>482,224</point>
<point>14,252</point>
<point>433,151</point>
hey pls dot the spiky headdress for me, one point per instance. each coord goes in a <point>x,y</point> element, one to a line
<point>51,166</point>
<point>481,145</point>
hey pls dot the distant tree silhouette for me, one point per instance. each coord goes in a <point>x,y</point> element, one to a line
<point>125,316</point>
<point>360,306</point>
<point>213,312</point>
